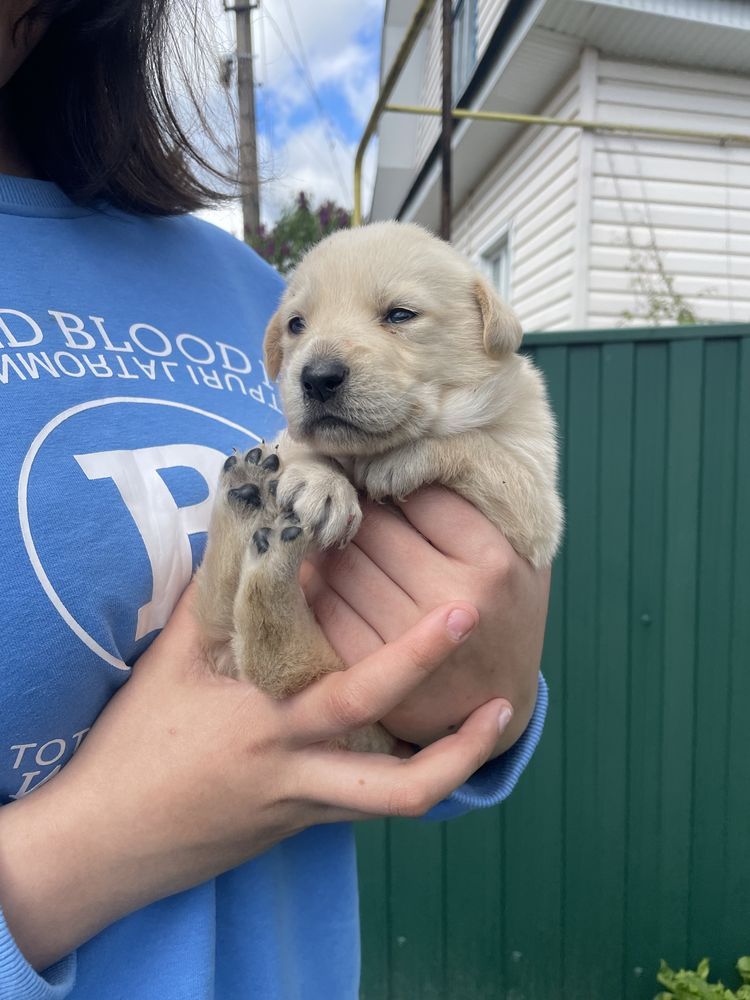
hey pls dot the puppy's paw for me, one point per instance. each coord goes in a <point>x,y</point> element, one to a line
<point>386,477</point>
<point>278,541</point>
<point>323,499</point>
<point>269,529</point>
<point>249,480</point>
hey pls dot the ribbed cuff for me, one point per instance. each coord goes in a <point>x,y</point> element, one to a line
<point>496,780</point>
<point>18,981</point>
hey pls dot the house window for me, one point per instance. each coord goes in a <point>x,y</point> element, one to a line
<point>464,43</point>
<point>496,262</point>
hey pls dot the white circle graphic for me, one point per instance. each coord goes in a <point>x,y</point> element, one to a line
<point>23,511</point>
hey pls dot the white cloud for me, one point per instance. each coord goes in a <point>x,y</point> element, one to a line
<point>324,27</point>
<point>304,166</point>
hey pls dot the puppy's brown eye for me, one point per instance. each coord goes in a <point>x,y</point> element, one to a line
<point>296,325</point>
<point>400,315</point>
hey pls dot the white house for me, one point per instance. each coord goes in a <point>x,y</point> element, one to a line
<point>585,228</point>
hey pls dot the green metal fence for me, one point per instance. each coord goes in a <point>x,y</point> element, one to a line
<point>628,838</point>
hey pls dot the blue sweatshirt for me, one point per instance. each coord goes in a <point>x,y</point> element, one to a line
<point>130,365</point>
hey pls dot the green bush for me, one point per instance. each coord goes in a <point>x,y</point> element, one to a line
<point>694,985</point>
<point>299,227</point>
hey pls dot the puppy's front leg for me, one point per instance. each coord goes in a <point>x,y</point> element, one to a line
<point>250,603</point>
<point>515,492</point>
<point>232,522</point>
<point>277,644</point>
<point>397,473</point>
<point>319,493</point>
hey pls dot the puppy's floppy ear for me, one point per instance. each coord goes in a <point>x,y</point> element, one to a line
<point>272,351</point>
<point>502,329</point>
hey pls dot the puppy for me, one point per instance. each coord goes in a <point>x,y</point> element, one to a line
<point>397,367</point>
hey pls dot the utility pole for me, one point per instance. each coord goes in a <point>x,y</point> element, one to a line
<point>249,192</point>
<point>446,134</point>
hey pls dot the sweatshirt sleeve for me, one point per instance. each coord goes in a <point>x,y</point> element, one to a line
<point>18,981</point>
<point>496,780</point>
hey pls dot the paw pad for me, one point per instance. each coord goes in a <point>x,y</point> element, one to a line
<point>246,479</point>
<point>265,536</point>
<point>260,539</point>
<point>248,494</point>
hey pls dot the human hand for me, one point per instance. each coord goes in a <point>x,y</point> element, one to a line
<point>400,567</point>
<point>186,774</point>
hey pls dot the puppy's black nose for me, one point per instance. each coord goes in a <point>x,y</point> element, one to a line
<point>321,381</point>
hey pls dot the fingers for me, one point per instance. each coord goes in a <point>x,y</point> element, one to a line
<point>386,786</point>
<point>348,700</point>
<point>453,525</point>
<point>406,557</point>
<point>350,635</point>
<point>181,636</point>
<point>370,592</point>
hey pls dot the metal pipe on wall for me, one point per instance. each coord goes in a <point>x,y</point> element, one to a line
<point>412,33</point>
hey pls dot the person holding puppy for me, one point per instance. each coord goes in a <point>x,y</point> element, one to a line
<point>185,837</point>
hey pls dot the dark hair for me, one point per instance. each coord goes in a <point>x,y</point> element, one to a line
<point>92,110</point>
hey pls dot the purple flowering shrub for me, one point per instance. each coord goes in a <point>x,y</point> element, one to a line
<point>299,227</point>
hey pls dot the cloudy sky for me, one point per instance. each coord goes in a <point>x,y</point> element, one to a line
<point>316,67</point>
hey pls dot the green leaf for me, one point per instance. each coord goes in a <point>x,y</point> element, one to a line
<point>297,229</point>
<point>703,968</point>
<point>743,967</point>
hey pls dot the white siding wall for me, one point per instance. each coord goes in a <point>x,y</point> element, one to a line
<point>689,199</point>
<point>532,190</point>
<point>489,13</point>
<point>428,129</point>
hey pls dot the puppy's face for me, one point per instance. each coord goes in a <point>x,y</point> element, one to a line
<point>378,328</point>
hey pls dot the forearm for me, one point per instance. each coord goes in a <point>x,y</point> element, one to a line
<point>59,885</point>
<point>186,774</point>
<point>123,825</point>
<point>72,862</point>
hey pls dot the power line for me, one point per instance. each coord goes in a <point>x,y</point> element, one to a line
<point>314,92</point>
<point>312,148</point>
<point>304,71</point>
<point>268,119</point>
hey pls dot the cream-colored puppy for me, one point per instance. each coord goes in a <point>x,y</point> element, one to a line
<point>397,368</point>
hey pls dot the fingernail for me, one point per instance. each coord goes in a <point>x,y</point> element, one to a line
<point>506,714</point>
<point>460,623</point>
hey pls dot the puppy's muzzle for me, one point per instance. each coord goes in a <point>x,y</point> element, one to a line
<point>323,379</point>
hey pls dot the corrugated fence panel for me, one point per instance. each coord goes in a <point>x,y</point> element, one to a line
<point>533,901</point>
<point>710,876</point>
<point>683,459</point>
<point>738,763</point>
<point>418,910</point>
<point>646,663</point>
<point>628,839</point>
<point>580,482</point>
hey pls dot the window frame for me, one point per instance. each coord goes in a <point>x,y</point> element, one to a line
<point>490,251</point>
<point>464,45</point>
